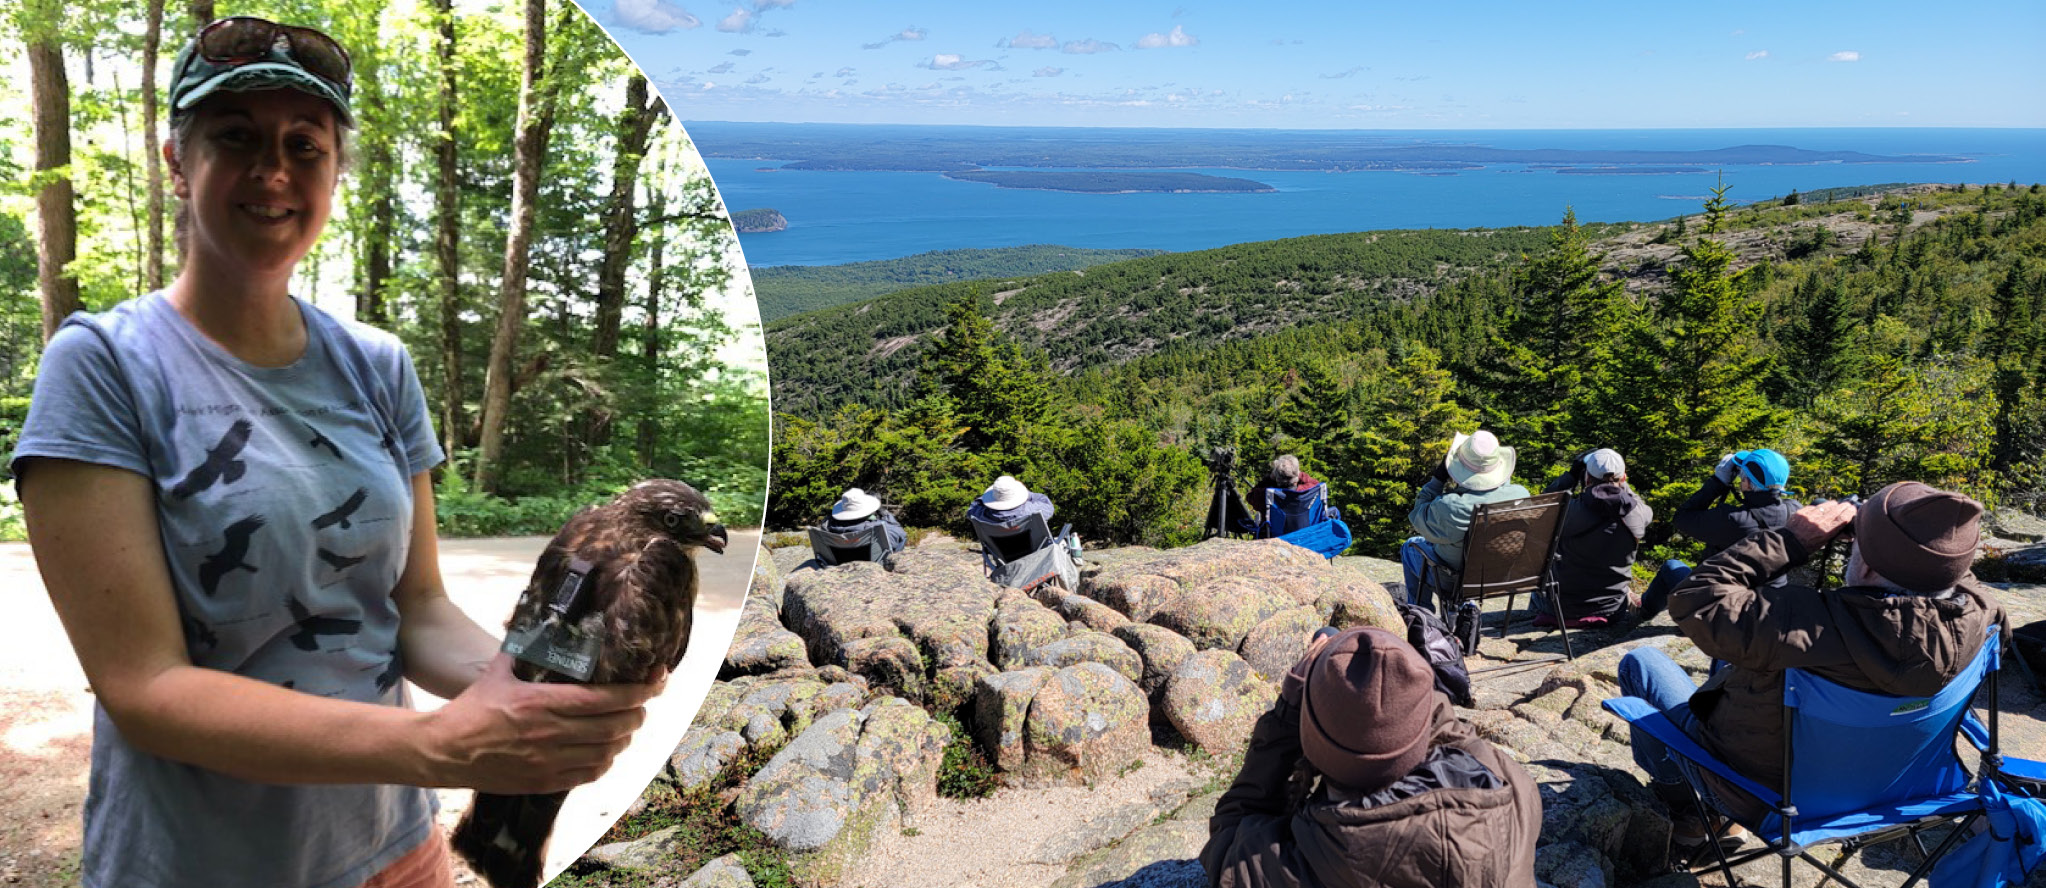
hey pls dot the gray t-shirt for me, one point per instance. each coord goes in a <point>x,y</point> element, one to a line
<point>285,505</point>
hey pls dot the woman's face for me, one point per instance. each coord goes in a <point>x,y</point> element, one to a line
<point>258,173</point>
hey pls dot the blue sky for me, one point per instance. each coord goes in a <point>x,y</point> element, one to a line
<point>1343,65</point>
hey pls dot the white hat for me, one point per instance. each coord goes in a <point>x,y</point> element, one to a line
<point>1005,494</point>
<point>856,503</point>
<point>1478,461</point>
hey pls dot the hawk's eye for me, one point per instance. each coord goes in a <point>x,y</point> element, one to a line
<point>671,520</point>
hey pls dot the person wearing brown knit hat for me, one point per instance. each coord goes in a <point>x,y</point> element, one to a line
<point>1361,754</point>
<point>1910,617</point>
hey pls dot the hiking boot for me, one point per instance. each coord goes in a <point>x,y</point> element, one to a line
<point>1688,827</point>
<point>1688,832</point>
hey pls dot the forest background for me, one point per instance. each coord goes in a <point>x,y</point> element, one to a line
<point>520,209</point>
<point>1870,334</point>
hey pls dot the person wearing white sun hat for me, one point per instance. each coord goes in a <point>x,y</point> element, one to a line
<point>1477,470</point>
<point>1007,501</point>
<point>857,510</point>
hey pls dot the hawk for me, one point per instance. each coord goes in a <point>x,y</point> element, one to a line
<point>623,573</point>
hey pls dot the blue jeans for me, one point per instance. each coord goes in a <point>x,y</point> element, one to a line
<point>1673,573</point>
<point>1651,675</point>
<point>1415,560</point>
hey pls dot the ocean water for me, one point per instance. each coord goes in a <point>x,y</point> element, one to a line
<point>838,217</point>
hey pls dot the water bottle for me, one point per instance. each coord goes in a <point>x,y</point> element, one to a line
<point>1073,546</point>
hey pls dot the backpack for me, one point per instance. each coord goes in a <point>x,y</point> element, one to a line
<point>2029,642</point>
<point>1429,635</point>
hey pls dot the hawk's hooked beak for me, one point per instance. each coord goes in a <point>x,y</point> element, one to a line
<point>715,538</point>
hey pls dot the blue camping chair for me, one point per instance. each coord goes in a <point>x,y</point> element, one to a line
<point>1305,519</point>
<point>1902,776</point>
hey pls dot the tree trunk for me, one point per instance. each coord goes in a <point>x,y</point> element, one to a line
<point>202,13</point>
<point>446,240</point>
<point>377,177</point>
<point>529,154</point>
<point>152,149</point>
<point>621,229</point>
<point>621,223</point>
<point>650,350</point>
<point>56,213</point>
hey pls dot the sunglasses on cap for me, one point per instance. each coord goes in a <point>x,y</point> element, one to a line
<point>241,40</point>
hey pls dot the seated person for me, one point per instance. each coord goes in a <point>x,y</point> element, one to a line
<point>1595,549</point>
<point>1759,476</point>
<point>1394,790</point>
<point>1477,470</point>
<point>1007,501</point>
<point>1909,619</point>
<point>1286,474</point>
<point>858,510</point>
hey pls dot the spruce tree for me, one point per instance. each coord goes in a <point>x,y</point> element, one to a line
<point>1405,436</point>
<point>1538,354</point>
<point>1683,388</point>
<point>997,390</point>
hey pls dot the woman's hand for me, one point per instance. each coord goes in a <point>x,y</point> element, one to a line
<point>509,737</point>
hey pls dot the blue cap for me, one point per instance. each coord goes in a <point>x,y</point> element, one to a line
<point>1764,467</point>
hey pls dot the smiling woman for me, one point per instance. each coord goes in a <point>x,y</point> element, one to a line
<point>230,486</point>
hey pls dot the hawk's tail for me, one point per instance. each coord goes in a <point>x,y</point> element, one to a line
<point>504,838</point>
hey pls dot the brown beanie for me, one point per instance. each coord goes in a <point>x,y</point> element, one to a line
<point>1919,537</point>
<point>1366,708</point>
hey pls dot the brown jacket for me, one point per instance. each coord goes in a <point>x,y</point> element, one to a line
<point>1454,835</point>
<point>1865,638</point>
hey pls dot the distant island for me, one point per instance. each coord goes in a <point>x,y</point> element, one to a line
<point>950,149</point>
<point>1114,182</point>
<point>758,221</point>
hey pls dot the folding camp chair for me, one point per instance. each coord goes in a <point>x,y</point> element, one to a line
<point>833,549</point>
<point>1024,554</point>
<point>1289,510</point>
<point>1305,519</point>
<point>1507,551</point>
<point>1858,768</point>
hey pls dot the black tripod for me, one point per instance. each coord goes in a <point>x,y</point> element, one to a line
<point>1225,509</point>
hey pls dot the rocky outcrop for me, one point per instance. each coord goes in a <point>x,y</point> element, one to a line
<point>850,773</point>
<point>1043,724</point>
<point>928,617</point>
<point>761,643</point>
<point>1214,698</point>
<point>1067,686</point>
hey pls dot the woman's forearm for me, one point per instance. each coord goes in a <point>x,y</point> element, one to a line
<point>257,731</point>
<point>444,650</point>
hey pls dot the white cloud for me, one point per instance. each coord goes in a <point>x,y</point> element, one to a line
<point>1351,71</point>
<point>773,4</point>
<point>909,33</point>
<point>1027,40</point>
<point>739,22</point>
<point>952,61</point>
<point>723,68</point>
<point>1846,56</point>
<point>846,71</point>
<point>1089,46</point>
<point>758,78</point>
<point>1739,31</point>
<point>1757,54</point>
<point>1178,37</point>
<point>1047,72</point>
<point>652,16</point>
<point>776,33</point>
<point>741,53</point>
